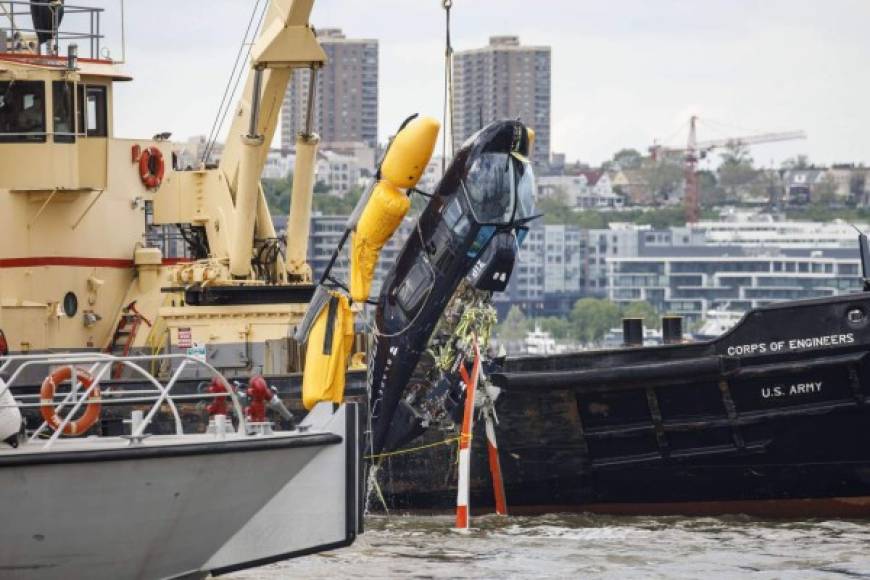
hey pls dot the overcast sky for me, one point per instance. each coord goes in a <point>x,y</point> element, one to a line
<point>625,72</point>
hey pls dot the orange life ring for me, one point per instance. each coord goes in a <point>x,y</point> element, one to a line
<point>151,167</point>
<point>46,396</point>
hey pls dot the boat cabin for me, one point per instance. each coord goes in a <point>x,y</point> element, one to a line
<point>55,108</point>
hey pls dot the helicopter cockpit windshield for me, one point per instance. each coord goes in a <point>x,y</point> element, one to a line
<point>500,188</point>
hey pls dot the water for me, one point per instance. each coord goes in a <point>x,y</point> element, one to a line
<point>583,546</point>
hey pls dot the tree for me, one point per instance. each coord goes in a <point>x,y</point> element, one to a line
<point>736,169</point>
<point>708,189</point>
<point>278,193</point>
<point>858,186</point>
<point>557,327</point>
<point>799,162</point>
<point>825,192</point>
<point>515,325</point>
<point>593,317</point>
<point>628,159</point>
<point>664,179</point>
<point>646,311</point>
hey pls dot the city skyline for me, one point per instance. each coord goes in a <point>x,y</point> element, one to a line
<point>624,74</point>
<point>346,95</point>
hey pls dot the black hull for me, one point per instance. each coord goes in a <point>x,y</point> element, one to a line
<point>778,428</point>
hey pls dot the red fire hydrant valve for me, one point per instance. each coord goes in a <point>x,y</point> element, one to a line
<point>258,395</point>
<point>218,406</point>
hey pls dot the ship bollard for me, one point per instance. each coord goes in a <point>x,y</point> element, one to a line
<point>672,329</point>
<point>632,331</point>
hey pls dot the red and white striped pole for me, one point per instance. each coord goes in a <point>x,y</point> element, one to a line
<point>494,464</point>
<point>465,440</point>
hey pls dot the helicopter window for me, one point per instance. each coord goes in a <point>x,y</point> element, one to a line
<point>525,188</point>
<point>500,188</point>
<point>414,288</point>
<point>489,185</point>
<point>22,112</point>
<point>484,235</point>
<point>455,219</point>
<point>62,103</point>
<point>92,117</point>
<point>521,236</point>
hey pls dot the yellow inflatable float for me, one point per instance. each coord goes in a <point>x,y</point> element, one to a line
<point>402,167</point>
<point>329,324</point>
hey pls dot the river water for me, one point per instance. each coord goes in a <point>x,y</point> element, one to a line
<point>584,546</point>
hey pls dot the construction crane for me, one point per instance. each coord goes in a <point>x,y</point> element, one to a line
<point>696,150</point>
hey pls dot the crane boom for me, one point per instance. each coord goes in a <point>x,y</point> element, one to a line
<point>752,139</point>
<point>286,42</point>
<point>695,150</point>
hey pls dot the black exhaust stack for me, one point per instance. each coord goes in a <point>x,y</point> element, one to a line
<point>632,331</point>
<point>672,329</point>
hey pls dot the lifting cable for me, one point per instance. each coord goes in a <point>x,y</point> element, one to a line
<point>235,77</point>
<point>448,89</point>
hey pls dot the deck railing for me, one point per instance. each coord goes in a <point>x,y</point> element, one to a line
<point>80,25</point>
<point>99,366</point>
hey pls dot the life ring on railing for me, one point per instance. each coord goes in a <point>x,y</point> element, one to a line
<point>46,399</point>
<point>151,167</point>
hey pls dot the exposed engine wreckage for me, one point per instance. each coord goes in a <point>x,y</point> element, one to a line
<point>435,301</point>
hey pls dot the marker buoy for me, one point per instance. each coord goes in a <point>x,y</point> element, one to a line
<point>465,440</point>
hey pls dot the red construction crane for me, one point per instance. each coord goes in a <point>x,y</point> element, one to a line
<point>696,150</point>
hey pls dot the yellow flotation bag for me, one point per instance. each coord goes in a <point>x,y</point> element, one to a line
<point>330,343</point>
<point>383,213</point>
<point>410,151</point>
<point>402,167</point>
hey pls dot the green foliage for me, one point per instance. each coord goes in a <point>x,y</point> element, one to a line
<point>708,188</point>
<point>514,326</point>
<point>590,319</point>
<point>736,170</point>
<point>559,328</point>
<point>823,213</point>
<point>825,192</point>
<point>799,162</point>
<point>593,317</point>
<point>279,192</point>
<point>556,211</point>
<point>665,179</point>
<point>628,158</point>
<point>645,310</point>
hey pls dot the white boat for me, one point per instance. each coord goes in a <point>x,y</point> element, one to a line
<point>539,341</point>
<point>716,323</point>
<point>168,506</point>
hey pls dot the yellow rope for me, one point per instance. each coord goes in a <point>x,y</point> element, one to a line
<point>415,449</point>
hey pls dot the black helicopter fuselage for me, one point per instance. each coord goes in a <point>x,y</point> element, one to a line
<point>470,228</point>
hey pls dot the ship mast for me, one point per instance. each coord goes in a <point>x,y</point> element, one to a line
<point>286,42</point>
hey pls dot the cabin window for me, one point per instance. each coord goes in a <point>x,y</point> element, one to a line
<point>93,118</point>
<point>64,106</point>
<point>456,219</point>
<point>22,112</point>
<point>415,287</point>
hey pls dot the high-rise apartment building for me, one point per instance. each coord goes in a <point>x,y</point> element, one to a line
<point>504,80</point>
<point>346,101</point>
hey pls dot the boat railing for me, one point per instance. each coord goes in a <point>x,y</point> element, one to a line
<point>85,28</point>
<point>99,366</point>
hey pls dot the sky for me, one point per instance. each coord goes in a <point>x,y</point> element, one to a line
<point>625,73</point>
